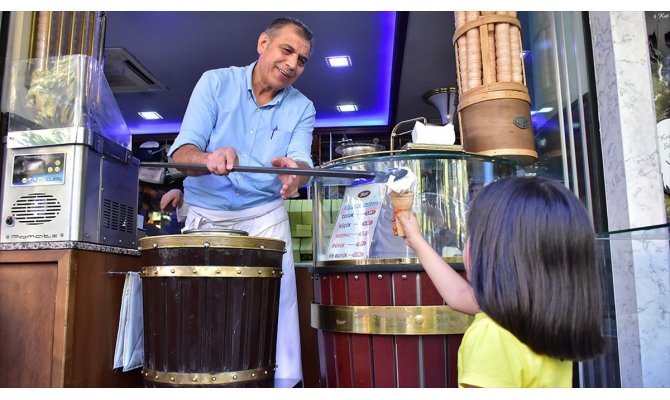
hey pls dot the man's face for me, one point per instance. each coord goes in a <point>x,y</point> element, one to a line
<point>282,57</point>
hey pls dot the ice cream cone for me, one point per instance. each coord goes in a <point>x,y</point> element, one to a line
<point>403,202</point>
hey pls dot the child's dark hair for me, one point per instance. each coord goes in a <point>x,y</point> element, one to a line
<point>533,266</point>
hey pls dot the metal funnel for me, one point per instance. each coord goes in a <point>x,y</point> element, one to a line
<point>444,99</point>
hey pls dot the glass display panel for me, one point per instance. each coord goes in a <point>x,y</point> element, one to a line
<point>445,184</point>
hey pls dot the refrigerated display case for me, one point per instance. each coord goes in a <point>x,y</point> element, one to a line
<point>380,321</point>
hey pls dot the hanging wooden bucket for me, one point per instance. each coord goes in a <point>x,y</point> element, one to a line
<point>211,306</point>
<point>497,122</point>
<point>494,105</point>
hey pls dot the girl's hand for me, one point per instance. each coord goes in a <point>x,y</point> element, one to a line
<point>409,223</point>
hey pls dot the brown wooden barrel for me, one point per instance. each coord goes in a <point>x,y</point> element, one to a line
<point>384,326</point>
<point>211,305</point>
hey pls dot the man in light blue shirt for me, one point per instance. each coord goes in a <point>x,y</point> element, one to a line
<point>253,116</point>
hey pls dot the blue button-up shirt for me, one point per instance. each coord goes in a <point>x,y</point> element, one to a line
<point>223,112</point>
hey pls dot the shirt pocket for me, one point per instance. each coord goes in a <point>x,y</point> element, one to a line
<point>278,143</point>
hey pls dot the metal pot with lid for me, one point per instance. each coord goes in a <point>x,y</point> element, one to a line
<point>216,231</point>
<point>348,147</point>
<point>211,239</point>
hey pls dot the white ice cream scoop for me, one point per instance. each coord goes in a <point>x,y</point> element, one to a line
<point>401,181</point>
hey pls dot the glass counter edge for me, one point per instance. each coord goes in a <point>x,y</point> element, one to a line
<point>413,154</point>
<point>652,232</point>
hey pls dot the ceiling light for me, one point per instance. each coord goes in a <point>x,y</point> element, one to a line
<point>338,61</point>
<point>150,115</point>
<point>375,113</point>
<point>347,108</point>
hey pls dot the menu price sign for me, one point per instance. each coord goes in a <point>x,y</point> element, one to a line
<point>356,222</point>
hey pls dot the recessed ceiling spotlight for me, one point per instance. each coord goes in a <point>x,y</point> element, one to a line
<point>150,115</point>
<point>338,61</point>
<point>347,108</point>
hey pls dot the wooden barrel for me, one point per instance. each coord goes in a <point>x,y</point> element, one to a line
<point>211,306</point>
<point>385,326</point>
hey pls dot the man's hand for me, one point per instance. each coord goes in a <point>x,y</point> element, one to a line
<point>222,161</point>
<point>174,198</point>
<point>291,183</point>
<point>219,162</point>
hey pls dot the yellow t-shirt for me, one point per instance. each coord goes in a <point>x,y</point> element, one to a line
<point>490,356</point>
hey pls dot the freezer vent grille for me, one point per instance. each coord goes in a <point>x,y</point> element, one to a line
<point>117,216</point>
<point>36,209</point>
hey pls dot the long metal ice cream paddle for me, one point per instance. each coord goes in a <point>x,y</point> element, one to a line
<point>328,173</point>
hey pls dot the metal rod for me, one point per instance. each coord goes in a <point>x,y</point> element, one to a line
<point>272,170</point>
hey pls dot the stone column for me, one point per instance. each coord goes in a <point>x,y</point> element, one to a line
<point>634,196</point>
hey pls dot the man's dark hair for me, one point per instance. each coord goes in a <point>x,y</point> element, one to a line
<point>303,30</point>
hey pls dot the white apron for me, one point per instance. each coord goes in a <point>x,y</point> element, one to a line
<point>271,221</point>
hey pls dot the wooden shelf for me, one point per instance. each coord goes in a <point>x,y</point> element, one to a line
<point>59,318</point>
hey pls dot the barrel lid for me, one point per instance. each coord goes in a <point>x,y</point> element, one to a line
<point>215,231</point>
<point>211,240</point>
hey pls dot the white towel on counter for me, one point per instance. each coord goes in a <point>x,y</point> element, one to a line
<point>129,352</point>
<point>433,134</point>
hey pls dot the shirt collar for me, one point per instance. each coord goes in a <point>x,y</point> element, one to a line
<point>248,75</point>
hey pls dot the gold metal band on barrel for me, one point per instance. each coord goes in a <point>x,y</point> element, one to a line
<point>212,242</point>
<point>219,271</point>
<point>222,378</point>
<point>389,320</point>
<point>379,261</point>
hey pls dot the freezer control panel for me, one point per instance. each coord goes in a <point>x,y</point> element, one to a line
<point>39,169</point>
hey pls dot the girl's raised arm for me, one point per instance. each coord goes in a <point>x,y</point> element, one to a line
<point>454,289</point>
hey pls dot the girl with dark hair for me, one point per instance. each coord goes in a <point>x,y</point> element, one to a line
<point>533,285</point>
